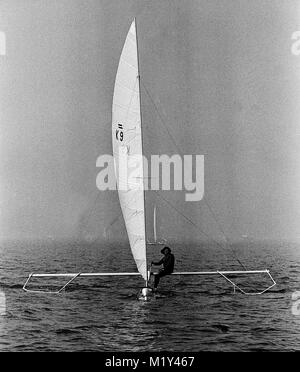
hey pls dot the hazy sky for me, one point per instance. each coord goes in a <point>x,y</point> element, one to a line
<point>220,71</point>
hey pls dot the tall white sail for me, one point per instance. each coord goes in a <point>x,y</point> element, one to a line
<point>127,149</point>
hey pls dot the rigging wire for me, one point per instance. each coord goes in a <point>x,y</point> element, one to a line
<point>161,118</point>
<point>187,219</point>
<point>165,200</point>
<point>205,201</point>
<point>226,238</point>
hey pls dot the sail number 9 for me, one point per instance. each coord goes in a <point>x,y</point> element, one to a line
<point>120,133</point>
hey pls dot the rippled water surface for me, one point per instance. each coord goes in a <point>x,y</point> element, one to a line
<point>188,313</point>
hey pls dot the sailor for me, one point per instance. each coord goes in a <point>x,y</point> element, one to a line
<point>168,265</point>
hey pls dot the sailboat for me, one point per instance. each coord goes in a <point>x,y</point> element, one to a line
<point>127,139</point>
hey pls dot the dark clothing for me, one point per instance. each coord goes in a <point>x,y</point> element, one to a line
<point>168,266</point>
<point>168,263</point>
<point>159,275</point>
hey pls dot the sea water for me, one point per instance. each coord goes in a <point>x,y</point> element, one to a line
<point>194,313</point>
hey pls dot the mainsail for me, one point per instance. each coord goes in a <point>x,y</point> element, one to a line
<point>128,149</point>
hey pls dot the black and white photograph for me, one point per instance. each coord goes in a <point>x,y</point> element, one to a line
<point>149,178</point>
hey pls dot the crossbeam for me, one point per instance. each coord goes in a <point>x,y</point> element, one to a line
<point>69,275</point>
<point>223,273</point>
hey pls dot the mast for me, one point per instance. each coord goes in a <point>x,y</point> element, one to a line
<point>154,224</point>
<point>141,116</point>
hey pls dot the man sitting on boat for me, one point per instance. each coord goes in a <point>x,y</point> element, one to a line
<point>168,265</point>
